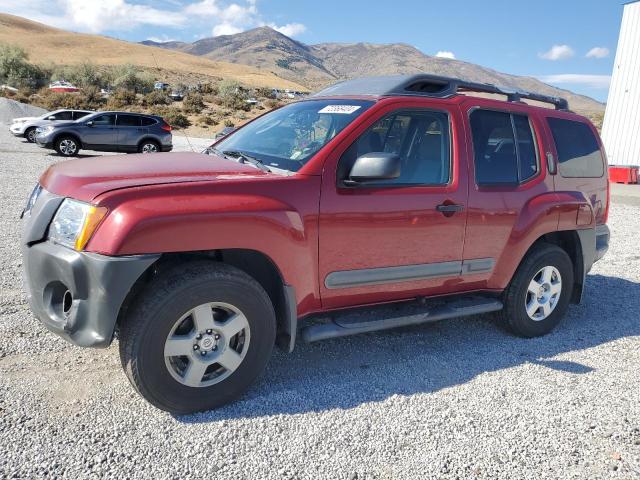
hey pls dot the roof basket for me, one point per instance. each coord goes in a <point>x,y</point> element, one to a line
<point>431,86</point>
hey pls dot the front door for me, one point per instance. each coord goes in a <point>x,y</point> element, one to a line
<point>101,134</point>
<point>401,238</point>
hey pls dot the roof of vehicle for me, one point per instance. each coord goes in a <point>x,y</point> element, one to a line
<point>425,85</point>
<point>127,113</point>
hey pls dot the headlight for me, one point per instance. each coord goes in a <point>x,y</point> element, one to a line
<point>47,129</point>
<point>33,198</point>
<point>75,222</point>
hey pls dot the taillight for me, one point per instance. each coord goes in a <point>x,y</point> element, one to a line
<point>166,127</point>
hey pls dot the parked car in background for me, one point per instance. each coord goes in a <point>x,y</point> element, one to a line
<point>108,132</point>
<point>26,126</point>
<point>176,96</point>
<point>63,86</point>
<point>376,190</point>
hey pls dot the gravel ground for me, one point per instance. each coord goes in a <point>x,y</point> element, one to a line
<point>458,399</point>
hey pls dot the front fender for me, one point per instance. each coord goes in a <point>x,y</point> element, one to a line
<point>167,219</point>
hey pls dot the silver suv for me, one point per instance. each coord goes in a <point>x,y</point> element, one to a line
<point>108,132</point>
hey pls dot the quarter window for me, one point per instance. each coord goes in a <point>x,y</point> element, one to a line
<point>420,138</point>
<point>504,147</point>
<point>578,150</point>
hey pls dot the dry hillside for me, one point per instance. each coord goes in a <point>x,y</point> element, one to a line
<point>322,64</point>
<point>47,45</point>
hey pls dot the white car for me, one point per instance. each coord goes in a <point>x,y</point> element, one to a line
<point>26,126</point>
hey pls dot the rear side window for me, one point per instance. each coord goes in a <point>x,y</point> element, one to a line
<point>128,121</point>
<point>578,151</point>
<point>147,121</point>
<point>504,147</point>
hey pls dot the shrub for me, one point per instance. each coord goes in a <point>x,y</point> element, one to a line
<point>129,77</point>
<point>83,75</point>
<point>172,116</point>
<point>228,123</point>
<point>207,120</point>
<point>264,92</point>
<point>193,103</point>
<point>272,103</point>
<point>232,95</point>
<point>120,99</point>
<point>87,99</point>
<point>208,89</point>
<point>156,97</point>
<point>16,71</point>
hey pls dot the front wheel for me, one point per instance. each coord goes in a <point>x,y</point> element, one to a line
<point>539,293</point>
<point>67,146</point>
<point>197,337</point>
<point>30,134</point>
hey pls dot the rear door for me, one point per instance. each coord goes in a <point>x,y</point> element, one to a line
<point>580,160</point>
<point>391,240</point>
<point>129,132</point>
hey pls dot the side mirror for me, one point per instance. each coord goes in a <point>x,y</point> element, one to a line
<point>51,117</point>
<point>374,166</point>
<point>89,123</point>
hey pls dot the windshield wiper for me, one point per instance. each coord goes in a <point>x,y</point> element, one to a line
<point>244,158</point>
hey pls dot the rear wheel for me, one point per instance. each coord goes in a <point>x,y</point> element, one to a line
<point>30,134</point>
<point>67,146</point>
<point>197,337</point>
<point>539,293</point>
<point>149,146</point>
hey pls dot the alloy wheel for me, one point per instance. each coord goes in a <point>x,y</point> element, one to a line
<point>207,344</point>
<point>543,293</point>
<point>149,148</point>
<point>68,146</point>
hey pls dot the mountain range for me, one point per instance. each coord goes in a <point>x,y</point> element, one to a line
<point>315,66</point>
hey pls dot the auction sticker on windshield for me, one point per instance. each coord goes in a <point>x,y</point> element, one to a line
<point>346,109</point>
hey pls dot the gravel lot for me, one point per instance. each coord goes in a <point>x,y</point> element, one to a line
<point>459,399</point>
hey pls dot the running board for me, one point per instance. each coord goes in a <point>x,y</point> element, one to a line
<point>353,323</point>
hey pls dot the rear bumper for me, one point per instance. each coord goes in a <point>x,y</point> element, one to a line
<point>602,241</point>
<point>78,295</point>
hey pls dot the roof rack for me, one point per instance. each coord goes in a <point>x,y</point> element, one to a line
<point>430,86</point>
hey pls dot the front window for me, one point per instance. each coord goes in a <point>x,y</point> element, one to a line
<point>287,138</point>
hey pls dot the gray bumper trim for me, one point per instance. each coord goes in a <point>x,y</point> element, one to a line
<point>98,285</point>
<point>602,241</point>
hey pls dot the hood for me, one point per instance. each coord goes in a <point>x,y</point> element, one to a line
<point>85,179</point>
<point>23,119</point>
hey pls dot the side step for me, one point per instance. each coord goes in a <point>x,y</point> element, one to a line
<point>364,321</point>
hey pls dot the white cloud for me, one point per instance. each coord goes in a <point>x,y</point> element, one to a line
<point>161,39</point>
<point>290,29</point>
<point>446,54</point>
<point>593,81</point>
<point>97,16</point>
<point>598,52</point>
<point>558,52</point>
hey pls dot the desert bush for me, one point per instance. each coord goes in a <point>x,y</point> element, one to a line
<point>82,75</point>
<point>232,95</point>
<point>172,116</point>
<point>87,99</point>
<point>208,89</point>
<point>129,77</point>
<point>272,103</point>
<point>121,99</point>
<point>228,123</point>
<point>193,103</point>
<point>16,71</point>
<point>207,120</point>
<point>156,97</point>
<point>264,92</point>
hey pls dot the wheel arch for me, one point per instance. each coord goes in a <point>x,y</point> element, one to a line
<point>68,134</point>
<point>572,243</point>
<point>255,264</point>
<point>147,138</point>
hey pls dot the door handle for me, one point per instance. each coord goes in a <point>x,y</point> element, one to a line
<point>449,208</point>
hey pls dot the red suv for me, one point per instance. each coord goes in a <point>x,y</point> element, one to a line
<point>374,191</point>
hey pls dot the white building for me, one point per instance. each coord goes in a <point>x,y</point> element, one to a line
<point>621,128</point>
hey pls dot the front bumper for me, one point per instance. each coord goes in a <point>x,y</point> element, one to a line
<point>17,131</point>
<point>78,295</point>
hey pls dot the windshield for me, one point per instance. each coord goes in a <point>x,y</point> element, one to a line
<point>288,137</point>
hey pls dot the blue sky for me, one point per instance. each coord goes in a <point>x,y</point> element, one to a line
<point>569,43</point>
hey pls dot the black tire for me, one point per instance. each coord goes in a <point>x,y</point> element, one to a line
<point>30,134</point>
<point>146,146</point>
<point>67,146</point>
<point>514,315</point>
<point>150,320</point>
